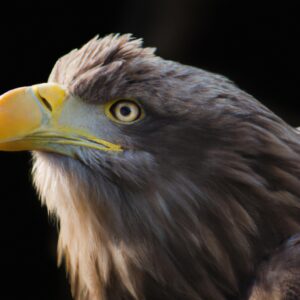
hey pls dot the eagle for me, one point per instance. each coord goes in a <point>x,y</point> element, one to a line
<point>168,182</point>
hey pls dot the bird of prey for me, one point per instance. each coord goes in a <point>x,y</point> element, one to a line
<point>168,181</point>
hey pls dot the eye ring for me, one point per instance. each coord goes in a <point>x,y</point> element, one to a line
<point>124,111</point>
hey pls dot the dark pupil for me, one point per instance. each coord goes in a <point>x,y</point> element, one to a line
<point>125,111</point>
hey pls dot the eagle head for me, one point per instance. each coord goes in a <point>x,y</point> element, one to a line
<point>167,181</point>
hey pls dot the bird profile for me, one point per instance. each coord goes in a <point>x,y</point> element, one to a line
<point>168,182</point>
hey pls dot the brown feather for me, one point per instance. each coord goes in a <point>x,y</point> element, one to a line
<point>278,278</point>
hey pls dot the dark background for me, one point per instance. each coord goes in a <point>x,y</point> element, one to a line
<point>253,43</point>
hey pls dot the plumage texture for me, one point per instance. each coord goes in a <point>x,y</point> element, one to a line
<point>278,278</point>
<point>209,183</point>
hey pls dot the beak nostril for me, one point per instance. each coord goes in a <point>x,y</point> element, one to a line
<point>46,103</point>
<point>50,95</point>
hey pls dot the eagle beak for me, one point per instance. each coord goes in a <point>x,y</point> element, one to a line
<point>32,118</point>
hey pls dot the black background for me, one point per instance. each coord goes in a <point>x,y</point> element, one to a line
<point>253,43</point>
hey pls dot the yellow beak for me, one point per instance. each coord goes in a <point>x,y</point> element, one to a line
<point>31,119</point>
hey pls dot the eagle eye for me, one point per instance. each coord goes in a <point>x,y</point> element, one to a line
<point>124,111</point>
